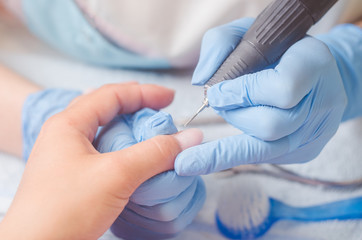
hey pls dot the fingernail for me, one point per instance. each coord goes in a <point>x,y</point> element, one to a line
<point>189,138</point>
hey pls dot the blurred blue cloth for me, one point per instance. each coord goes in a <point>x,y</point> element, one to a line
<point>62,25</point>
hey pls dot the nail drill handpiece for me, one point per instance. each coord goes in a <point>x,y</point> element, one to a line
<point>278,26</point>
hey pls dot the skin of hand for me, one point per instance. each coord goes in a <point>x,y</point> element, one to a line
<point>71,191</point>
<point>13,91</point>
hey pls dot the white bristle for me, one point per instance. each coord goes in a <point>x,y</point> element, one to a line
<point>243,206</point>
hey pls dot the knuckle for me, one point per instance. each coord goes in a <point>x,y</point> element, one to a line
<point>290,99</point>
<point>289,92</point>
<point>59,121</point>
<point>269,129</point>
<point>54,121</point>
<point>324,56</point>
<point>167,146</point>
<point>54,124</point>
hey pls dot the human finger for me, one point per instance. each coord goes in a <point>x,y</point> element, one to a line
<point>167,227</point>
<point>146,159</point>
<point>148,123</point>
<point>165,211</point>
<point>99,107</point>
<point>169,187</point>
<point>165,186</point>
<point>114,136</point>
<point>227,153</point>
<point>126,130</point>
<point>268,123</point>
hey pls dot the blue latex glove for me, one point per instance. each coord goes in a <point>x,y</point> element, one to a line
<point>37,108</point>
<point>165,204</point>
<point>345,43</point>
<point>289,111</point>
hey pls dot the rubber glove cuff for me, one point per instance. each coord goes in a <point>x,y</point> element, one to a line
<point>38,107</point>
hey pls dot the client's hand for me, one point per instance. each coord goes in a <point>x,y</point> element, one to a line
<point>163,205</point>
<point>71,191</point>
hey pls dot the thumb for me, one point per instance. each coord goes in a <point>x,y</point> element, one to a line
<point>144,160</point>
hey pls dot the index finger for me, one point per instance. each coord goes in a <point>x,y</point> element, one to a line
<point>99,107</point>
<point>229,152</point>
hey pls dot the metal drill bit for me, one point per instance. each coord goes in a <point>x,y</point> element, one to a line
<point>205,104</point>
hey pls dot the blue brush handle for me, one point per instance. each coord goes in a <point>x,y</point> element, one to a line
<point>341,210</point>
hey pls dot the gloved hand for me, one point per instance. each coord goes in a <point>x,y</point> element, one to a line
<point>289,111</point>
<point>165,204</point>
